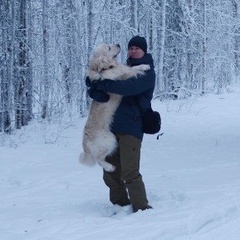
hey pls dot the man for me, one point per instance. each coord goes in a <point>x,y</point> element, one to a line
<point>125,183</point>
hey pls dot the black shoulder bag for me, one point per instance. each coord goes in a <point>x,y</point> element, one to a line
<point>151,121</point>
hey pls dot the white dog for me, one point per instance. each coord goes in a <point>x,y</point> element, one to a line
<point>98,140</point>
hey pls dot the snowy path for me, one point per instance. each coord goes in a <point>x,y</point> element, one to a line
<point>191,174</point>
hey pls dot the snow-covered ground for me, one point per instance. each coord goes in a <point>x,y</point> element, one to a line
<point>192,177</point>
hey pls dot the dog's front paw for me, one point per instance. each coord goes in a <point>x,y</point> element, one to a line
<point>145,67</point>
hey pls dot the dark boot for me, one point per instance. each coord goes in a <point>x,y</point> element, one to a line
<point>147,207</point>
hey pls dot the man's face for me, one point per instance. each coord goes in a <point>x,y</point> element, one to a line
<point>135,52</point>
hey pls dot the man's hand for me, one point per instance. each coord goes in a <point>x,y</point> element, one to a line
<point>94,93</point>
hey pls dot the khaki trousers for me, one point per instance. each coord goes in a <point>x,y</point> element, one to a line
<point>126,181</point>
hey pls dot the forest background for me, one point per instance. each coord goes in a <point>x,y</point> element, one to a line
<point>45,46</point>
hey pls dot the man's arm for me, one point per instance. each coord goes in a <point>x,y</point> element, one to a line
<point>129,87</point>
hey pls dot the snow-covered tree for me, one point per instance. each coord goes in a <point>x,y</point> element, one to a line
<point>45,47</point>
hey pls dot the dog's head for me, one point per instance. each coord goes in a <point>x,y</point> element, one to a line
<point>104,57</point>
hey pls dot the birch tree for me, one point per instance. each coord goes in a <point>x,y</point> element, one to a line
<point>161,43</point>
<point>134,15</point>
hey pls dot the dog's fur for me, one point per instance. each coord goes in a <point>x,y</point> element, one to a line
<point>98,140</point>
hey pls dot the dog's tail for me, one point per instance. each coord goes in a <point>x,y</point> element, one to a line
<point>86,159</point>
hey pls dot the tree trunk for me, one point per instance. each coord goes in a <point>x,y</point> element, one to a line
<point>162,83</point>
<point>21,112</point>
<point>236,37</point>
<point>134,15</point>
<point>5,61</point>
<point>45,82</point>
<point>204,49</point>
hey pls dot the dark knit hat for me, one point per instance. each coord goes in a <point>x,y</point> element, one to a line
<point>138,42</point>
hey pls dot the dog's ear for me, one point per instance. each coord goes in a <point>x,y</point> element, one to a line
<point>99,63</point>
<point>105,63</point>
<point>94,63</point>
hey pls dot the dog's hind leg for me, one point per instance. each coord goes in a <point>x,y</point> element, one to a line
<point>87,159</point>
<point>100,159</point>
<point>106,144</point>
<point>106,166</point>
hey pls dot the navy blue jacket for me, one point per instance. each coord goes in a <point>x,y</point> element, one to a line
<point>137,95</point>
